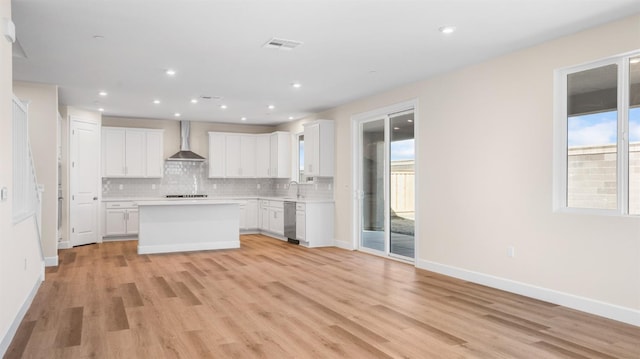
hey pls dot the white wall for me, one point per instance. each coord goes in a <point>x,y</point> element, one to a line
<point>484,161</point>
<point>21,267</point>
<point>43,125</point>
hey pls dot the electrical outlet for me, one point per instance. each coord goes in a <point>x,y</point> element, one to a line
<point>121,186</point>
<point>258,185</point>
<point>511,251</point>
<point>215,186</point>
<point>153,186</point>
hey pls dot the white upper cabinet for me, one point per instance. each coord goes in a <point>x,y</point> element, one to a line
<point>263,155</point>
<point>319,147</point>
<point>240,160</point>
<point>132,152</point>
<point>155,154</point>
<point>280,143</point>
<point>240,155</point>
<point>217,154</point>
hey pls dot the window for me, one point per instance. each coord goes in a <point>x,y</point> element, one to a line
<point>23,181</point>
<point>597,155</point>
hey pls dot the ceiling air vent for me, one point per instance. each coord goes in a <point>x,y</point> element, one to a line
<point>282,44</point>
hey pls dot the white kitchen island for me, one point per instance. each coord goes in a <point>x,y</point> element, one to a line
<point>188,225</point>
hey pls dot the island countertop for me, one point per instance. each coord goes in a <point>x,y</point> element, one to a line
<point>182,202</point>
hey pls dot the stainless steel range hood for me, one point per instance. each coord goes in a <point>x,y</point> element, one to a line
<point>185,153</point>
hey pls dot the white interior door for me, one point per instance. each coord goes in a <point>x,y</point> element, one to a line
<point>84,181</point>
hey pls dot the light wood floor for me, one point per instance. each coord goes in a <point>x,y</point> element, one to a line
<point>271,299</point>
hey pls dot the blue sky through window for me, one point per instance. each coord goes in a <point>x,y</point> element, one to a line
<point>600,128</point>
<point>402,150</point>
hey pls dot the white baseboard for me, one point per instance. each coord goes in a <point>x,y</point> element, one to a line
<point>187,247</point>
<point>344,245</point>
<point>592,306</point>
<point>13,328</point>
<point>64,245</point>
<point>51,261</point>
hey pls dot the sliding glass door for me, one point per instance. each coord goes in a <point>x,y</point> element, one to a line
<point>386,176</point>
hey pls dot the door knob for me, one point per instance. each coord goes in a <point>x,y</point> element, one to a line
<point>95,198</point>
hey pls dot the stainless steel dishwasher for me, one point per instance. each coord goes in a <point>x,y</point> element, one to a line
<point>290,222</point>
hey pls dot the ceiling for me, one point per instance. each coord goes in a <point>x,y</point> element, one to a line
<point>350,49</point>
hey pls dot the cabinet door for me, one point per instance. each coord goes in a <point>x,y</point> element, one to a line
<point>132,221</point>
<point>280,154</point>
<point>113,152</point>
<point>114,221</point>
<point>216,155</point>
<point>232,158</point>
<point>248,156</point>
<point>243,215</point>
<point>154,161</point>
<point>300,225</point>
<point>311,149</point>
<point>276,220</point>
<point>264,219</point>
<point>263,156</point>
<point>251,214</point>
<point>135,153</point>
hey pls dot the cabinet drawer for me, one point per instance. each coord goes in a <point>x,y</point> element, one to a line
<point>300,206</point>
<point>130,204</point>
<point>264,203</point>
<point>276,204</point>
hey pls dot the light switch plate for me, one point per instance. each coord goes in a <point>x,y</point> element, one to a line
<point>4,194</point>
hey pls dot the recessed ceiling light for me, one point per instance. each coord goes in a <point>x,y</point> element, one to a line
<point>396,128</point>
<point>447,29</point>
<point>635,61</point>
<point>101,109</point>
<point>156,101</point>
<point>409,120</point>
<point>177,114</point>
<point>103,93</point>
<point>194,100</point>
<point>296,85</point>
<point>271,107</point>
<point>290,117</point>
<point>243,119</point>
<point>224,107</point>
<point>170,72</point>
<point>98,37</point>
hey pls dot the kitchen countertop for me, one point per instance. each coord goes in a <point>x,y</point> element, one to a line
<point>239,198</point>
<point>186,201</point>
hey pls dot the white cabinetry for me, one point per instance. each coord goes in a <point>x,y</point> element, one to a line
<point>263,156</point>
<point>249,215</point>
<point>314,224</point>
<point>120,218</point>
<point>217,154</point>
<point>300,221</point>
<point>132,152</point>
<point>239,155</point>
<point>280,155</point>
<point>272,217</point>
<point>319,145</point>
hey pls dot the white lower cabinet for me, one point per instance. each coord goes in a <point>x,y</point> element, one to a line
<point>276,217</point>
<point>301,218</point>
<point>120,218</point>
<point>314,224</point>
<point>249,215</point>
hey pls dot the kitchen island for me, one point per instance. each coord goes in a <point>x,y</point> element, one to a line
<point>188,225</point>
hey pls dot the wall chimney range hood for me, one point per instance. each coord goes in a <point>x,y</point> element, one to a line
<point>185,153</point>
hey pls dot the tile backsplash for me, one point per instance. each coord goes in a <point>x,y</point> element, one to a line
<point>185,177</point>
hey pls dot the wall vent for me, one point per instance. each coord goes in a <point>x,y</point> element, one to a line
<point>282,44</point>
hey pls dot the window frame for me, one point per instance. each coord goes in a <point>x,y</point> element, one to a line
<point>560,162</point>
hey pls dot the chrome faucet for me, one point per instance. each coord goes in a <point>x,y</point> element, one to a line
<point>297,188</point>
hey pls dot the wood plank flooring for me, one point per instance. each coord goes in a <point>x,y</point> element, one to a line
<point>271,299</point>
